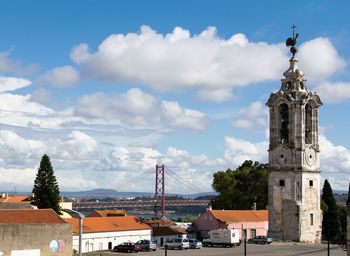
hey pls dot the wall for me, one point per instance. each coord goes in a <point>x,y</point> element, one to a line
<point>99,241</point>
<point>207,222</point>
<point>260,228</point>
<point>21,237</point>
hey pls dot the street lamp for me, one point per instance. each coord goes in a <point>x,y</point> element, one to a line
<point>80,216</point>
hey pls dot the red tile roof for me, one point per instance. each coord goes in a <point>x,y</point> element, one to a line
<point>14,199</point>
<point>107,224</point>
<point>168,231</point>
<point>29,216</point>
<point>107,213</point>
<point>240,215</point>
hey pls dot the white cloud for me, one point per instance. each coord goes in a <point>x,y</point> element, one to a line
<point>5,63</point>
<point>335,163</point>
<point>206,62</point>
<point>131,108</point>
<point>41,96</point>
<point>238,150</point>
<point>319,59</point>
<point>76,146</point>
<point>333,92</point>
<point>138,109</point>
<point>174,115</point>
<point>60,76</point>
<point>12,83</point>
<point>217,95</point>
<point>178,61</point>
<point>251,117</point>
<point>14,66</point>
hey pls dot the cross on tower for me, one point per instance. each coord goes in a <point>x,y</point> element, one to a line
<point>293,29</point>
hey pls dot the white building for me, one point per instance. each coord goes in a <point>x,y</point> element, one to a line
<point>103,233</point>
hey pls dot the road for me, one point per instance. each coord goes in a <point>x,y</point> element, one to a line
<point>274,249</point>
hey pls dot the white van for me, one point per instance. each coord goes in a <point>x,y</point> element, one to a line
<point>177,243</point>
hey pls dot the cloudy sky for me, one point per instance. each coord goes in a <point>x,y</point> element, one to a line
<point>108,89</point>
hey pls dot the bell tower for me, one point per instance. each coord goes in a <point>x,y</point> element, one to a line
<point>294,162</point>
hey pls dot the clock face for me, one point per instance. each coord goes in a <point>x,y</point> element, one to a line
<point>282,156</point>
<point>310,156</point>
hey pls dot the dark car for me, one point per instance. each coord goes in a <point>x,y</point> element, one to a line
<point>127,247</point>
<point>260,240</point>
<point>147,245</point>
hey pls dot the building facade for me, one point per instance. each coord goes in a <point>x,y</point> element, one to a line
<point>294,161</point>
<point>103,233</point>
<point>34,233</point>
<point>251,222</point>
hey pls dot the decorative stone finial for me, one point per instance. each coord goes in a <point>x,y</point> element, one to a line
<point>292,41</point>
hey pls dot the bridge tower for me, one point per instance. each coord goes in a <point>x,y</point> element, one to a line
<point>159,196</point>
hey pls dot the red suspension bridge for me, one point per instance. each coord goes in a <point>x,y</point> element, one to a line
<point>175,185</point>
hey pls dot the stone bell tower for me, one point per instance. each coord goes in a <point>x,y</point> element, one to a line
<point>294,162</point>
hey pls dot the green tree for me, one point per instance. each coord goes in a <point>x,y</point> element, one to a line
<point>46,191</point>
<point>331,222</point>
<point>241,188</point>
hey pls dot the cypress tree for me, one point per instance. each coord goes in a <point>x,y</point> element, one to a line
<point>46,191</point>
<point>348,201</point>
<point>331,220</point>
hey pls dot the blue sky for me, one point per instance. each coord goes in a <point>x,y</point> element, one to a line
<point>110,88</point>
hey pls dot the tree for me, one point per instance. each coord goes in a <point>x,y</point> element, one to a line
<point>46,191</point>
<point>331,222</point>
<point>241,188</point>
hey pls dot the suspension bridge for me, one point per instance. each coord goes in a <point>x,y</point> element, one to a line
<point>170,189</point>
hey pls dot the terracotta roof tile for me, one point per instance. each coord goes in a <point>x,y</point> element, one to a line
<point>29,216</point>
<point>107,224</point>
<point>240,215</point>
<point>168,231</point>
<point>14,199</point>
<point>108,213</point>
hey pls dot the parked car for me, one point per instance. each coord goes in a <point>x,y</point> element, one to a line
<point>260,240</point>
<point>195,244</point>
<point>147,245</point>
<point>177,243</point>
<point>127,247</point>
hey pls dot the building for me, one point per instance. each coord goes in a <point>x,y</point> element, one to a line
<point>103,233</point>
<point>34,232</point>
<point>250,222</point>
<point>15,202</point>
<point>158,222</point>
<point>107,213</point>
<point>294,159</point>
<point>161,234</point>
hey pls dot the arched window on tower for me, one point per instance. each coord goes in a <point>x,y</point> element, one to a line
<point>308,124</point>
<point>284,120</point>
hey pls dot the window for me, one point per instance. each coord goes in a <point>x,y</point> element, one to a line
<point>284,121</point>
<point>281,183</point>
<point>311,219</point>
<point>308,123</point>
<point>311,183</point>
<point>252,233</point>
